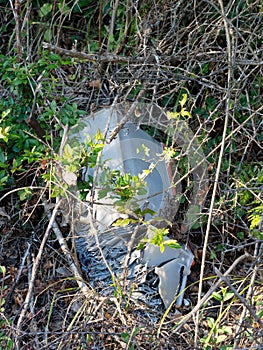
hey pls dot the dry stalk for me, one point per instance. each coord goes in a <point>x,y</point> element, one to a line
<point>17,12</point>
<point>64,247</point>
<point>257,254</point>
<point>34,273</point>
<point>112,25</point>
<point>206,297</point>
<point>216,180</point>
<point>18,275</point>
<point>240,297</point>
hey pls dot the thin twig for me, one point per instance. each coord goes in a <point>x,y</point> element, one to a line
<point>113,24</point>
<point>19,272</point>
<point>17,12</point>
<point>34,271</point>
<point>100,23</point>
<point>32,119</point>
<point>204,299</point>
<point>114,278</point>
<point>19,189</point>
<point>220,158</point>
<point>125,119</point>
<point>106,57</point>
<point>111,57</point>
<point>64,247</point>
<point>242,299</point>
<point>96,169</point>
<point>257,254</point>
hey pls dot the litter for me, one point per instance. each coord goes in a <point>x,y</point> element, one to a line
<point>108,253</point>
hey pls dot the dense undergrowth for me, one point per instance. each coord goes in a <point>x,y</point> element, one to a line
<point>156,52</point>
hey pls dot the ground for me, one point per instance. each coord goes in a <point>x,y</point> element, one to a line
<point>150,52</point>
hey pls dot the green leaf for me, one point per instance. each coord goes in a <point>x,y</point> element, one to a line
<point>64,9</point>
<point>45,9</point>
<point>241,235</point>
<point>141,245</point>
<point>217,296</point>
<point>53,106</point>
<point>228,296</point>
<point>162,248</point>
<point>212,254</point>
<point>173,115</point>
<point>5,113</point>
<point>48,35</point>
<point>68,152</point>
<point>111,38</point>
<point>3,270</point>
<point>125,337</point>
<point>210,322</point>
<point>25,194</point>
<point>185,113</point>
<point>4,133</point>
<point>226,330</point>
<point>144,212</point>
<point>172,243</point>
<point>220,338</point>
<point>123,222</point>
<point>2,159</point>
<point>54,57</point>
<point>142,191</point>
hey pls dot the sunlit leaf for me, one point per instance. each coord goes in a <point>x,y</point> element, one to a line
<point>228,296</point>
<point>3,270</point>
<point>217,296</point>
<point>4,133</point>
<point>183,100</point>
<point>210,322</point>
<point>5,113</point>
<point>220,338</point>
<point>172,243</point>
<point>123,222</point>
<point>185,113</point>
<point>162,248</point>
<point>68,152</point>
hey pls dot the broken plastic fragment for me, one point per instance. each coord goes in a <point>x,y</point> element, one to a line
<point>135,152</point>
